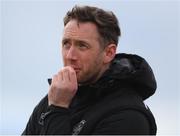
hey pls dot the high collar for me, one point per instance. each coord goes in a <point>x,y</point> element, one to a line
<point>126,70</point>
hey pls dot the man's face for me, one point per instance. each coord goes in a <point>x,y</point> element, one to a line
<point>81,50</point>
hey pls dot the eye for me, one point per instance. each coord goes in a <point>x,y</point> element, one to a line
<point>83,46</point>
<point>66,44</point>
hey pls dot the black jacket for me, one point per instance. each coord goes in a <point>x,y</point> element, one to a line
<point>112,105</point>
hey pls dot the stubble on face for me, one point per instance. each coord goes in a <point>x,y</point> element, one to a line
<point>93,72</point>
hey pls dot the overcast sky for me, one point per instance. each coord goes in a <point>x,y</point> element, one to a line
<point>30,53</point>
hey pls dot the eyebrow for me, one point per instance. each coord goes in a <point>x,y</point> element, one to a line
<point>76,41</point>
<point>65,39</point>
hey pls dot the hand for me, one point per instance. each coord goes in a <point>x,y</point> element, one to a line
<point>63,87</point>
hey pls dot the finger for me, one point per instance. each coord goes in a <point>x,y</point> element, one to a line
<point>60,75</point>
<point>73,77</point>
<point>54,78</point>
<point>66,76</point>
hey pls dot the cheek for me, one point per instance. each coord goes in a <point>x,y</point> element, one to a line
<point>64,60</point>
<point>91,62</point>
<point>85,62</point>
<point>63,53</point>
<point>64,57</point>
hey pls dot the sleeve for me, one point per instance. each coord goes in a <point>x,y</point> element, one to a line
<point>32,126</point>
<point>57,121</point>
<point>128,122</point>
<point>48,120</point>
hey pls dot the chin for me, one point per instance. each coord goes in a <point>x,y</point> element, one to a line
<point>80,81</point>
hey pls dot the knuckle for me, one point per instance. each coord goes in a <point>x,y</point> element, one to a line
<point>72,70</point>
<point>65,69</point>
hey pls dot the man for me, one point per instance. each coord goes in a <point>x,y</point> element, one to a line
<point>97,91</point>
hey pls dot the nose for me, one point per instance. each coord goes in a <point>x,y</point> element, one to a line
<point>71,53</point>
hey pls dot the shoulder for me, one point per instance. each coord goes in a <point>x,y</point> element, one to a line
<point>125,98</point>
<point>127,112</point>
<point>124,122</point>
<point>129,118</point>
<point>32,125</point>
<point>40,107</point>
<point>132,118</point>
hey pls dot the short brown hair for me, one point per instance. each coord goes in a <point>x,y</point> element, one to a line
<point>106,22</point>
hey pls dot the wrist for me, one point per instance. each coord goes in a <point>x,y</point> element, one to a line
<point>55,108</point>
<point>60,104</point>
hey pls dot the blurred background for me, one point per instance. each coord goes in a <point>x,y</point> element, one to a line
<point>30,38</point>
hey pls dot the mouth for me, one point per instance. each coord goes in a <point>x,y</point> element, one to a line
<point>77,69</point>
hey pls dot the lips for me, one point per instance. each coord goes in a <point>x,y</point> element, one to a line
<point>77,69</point>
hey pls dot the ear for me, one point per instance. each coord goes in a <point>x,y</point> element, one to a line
<point>109,53</point>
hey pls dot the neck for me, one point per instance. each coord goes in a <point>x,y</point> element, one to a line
<point>98,76</point>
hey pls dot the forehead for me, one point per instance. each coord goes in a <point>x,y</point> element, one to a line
<point>78,30</point>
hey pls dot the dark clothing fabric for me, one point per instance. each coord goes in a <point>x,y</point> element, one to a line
<point>112,105</point>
